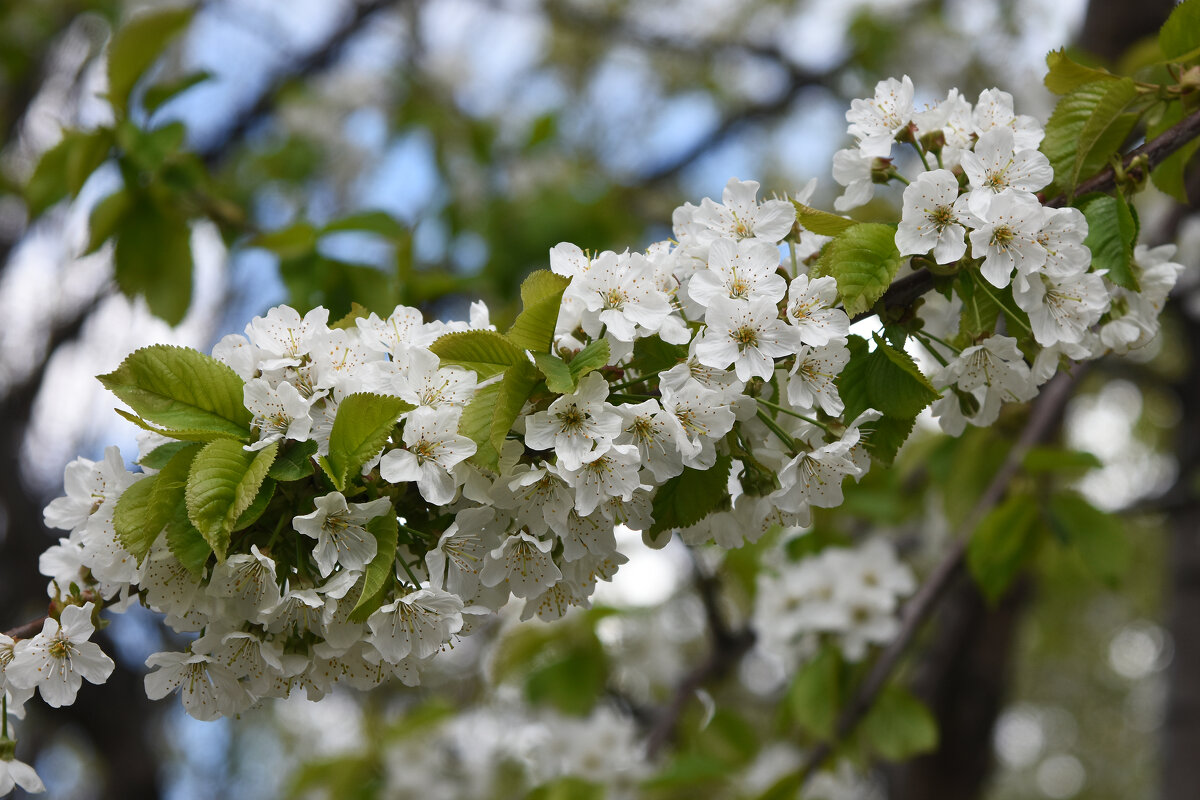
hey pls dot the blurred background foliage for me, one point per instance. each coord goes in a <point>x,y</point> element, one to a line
<point>169,171</point>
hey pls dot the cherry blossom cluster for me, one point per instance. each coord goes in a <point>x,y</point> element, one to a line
<point>847,595</point>
<point>983,192</point>
<point>716,409</point>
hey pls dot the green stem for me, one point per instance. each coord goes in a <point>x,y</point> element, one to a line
<point>982,283</point>
<point>795,414</point>
<point>636,398</point>
<point>778,431</point>
<point>921,154</point>
<point>416,583</point>
<point>899,177</point>
<point>925,342</point>
<point>3,715</point>
<point>940,341</point>
<point>616,387</point>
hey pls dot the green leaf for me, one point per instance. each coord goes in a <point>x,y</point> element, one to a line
<point>1099,538</point>
<point>590,359</point>
<point>380,223</point>
<point>899,726</point>
<point>814,697</point>
<point>186,543</point>
<point>486,352</point>
<point>1112,234</point>
<point>652,354</point>
<point>148,506</point>
<point>293,241</point>
<point>884,436</point>
<point>558,375</point>
<point>181,389</point>
<point>63,169</point>
<point>294,461</point>
<point>1179,37</point>
<point>541,298</point>
<point>257,506</point>
<point>691,770</point>
<point>1168,176</point>
<point>1087,128</point>
<point>361,428</point>
<point>863,260</point>
<point>386,529</point>
<point>885,379</point>
<point>490,415</point>
<point>153,258</point>
<point>159,456</point>
<point>106,218</point>
<point>821,222</point>
<point>574,683</point>
<point>223,482</point>
<point>350,321</point>
<point>1046,458</point>
<point>568,788</point>
<point>137,45</point>
<point>160,93</point>
<point>180,435</point>
<point>690,496</point>
<point>1002,544</point>
<point>138,520</point>
<point>1065,74</point>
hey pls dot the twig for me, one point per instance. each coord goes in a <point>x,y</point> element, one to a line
<point>316,60</point>
<point>728,647</point>
<point>27,630</point>
<point>1045,413</point>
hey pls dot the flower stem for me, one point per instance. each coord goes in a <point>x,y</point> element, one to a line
<point>921,154</point>
<point>983,284</point>
<point>795,414</point>
<point>778,431</point>
<point>616,387</point>
<point>408,570</point>
<point>3,715</point>
<point>928,346</point>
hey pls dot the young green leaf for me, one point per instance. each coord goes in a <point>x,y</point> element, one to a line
<point>490,415</point>
<point>885,379</point>
<point>1168,176</point>
<point>293,241</point>
<point>559,378</point>
<point>136,45</point>
<point>257,506</point>
<point>295,461</point>
<point>1002,545</point>
<point>360,430</point>
<point>541,299</point>
<point>590,359</point>
<point>1098,537</point>
<point>690,496</point>
<point>138,520</point>
<point>153,257</point>
<point>899,726</point>
<point>181,389</point>
<point>161,93</point>
<point>1179,37</point>
<point>1112,233</point>
<point>186,543</point>
<point>379,223</point>
<point>486,352</point>
<point>159,456</point>
<point>1064,74</point>
<point>106,218</point>
<point>386,530</point>
<point>814,697</point>
<point>863,259</point>
<point>1087,128</point>
<point>821,222</point>
<point>222,483</point>
<point>63,169</point>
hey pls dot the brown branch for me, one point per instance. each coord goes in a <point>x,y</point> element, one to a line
<point>27,630</point>
<point>1045,413</point>
<point>727,649</point>
<point>317,60</point>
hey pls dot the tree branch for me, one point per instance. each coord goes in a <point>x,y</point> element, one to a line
<point>1046,411</point>
<point>319,59</point>
<point>727,649</point>
<point>27,630</point>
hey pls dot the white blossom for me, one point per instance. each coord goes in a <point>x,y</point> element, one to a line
<point>57,660</point>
